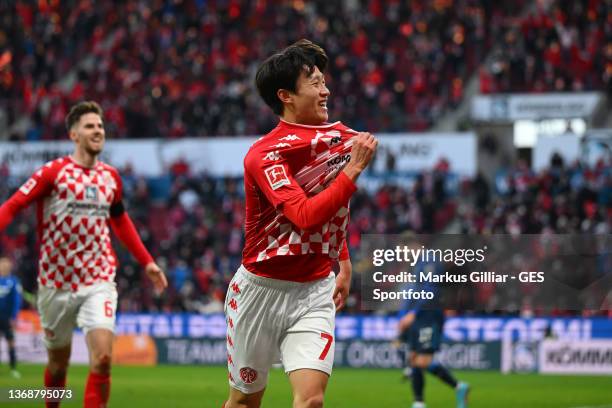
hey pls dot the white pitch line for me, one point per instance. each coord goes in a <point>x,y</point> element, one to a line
<point>594,406</point>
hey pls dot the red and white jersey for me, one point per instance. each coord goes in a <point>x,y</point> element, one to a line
<point>73,222</point>
<point>293,159</point>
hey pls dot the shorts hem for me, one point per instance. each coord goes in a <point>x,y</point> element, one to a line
<point>50,345</point>
<point>310,366</point>
<point>101,326</point>
<point>426,351</point>
<point>245,391</point>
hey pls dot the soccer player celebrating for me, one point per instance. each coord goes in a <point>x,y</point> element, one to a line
<point>10,302</point>
<point>298,180</point>
<point>79,198</point>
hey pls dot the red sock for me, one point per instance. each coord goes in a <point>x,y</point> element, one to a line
<point>97,390</point>
<point>55,382</point>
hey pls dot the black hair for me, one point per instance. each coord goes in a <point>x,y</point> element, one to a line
<point>282,70</point>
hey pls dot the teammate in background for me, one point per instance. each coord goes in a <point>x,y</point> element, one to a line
<point>10,303</point>
<point>79,200</point>
<point>421,325</point>
<point>298,179</point>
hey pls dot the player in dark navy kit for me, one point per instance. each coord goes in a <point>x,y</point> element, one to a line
<point>421,326</point>
<point>10,303</point>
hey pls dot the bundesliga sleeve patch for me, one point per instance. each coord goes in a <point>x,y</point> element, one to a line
<point>277,177</point>
<point>28,186</point>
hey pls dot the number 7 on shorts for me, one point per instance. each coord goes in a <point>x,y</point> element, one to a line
<point>330,340</point>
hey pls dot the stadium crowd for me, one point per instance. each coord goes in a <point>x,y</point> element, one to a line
<point>558,46</point>
<point>566,198</point>
<point>185,67</point>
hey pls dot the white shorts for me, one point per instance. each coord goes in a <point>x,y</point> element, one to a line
<point>91,307</point>
<point>271,321</point>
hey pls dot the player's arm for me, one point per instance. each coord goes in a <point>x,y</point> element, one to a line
<point>124,229</point>
<point>406,321</point>
<point>343,279</point>
<point>16,305</point>
<point>37,186</point>
<point>281,189</point>
<point>408,311</point>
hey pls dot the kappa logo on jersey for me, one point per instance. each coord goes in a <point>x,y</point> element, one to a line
<point>323,141</point>
<point>91,193</point>
<point>28,186</point>
<point>277,177</point>
<point>273,156</point>
<point>281,145</point>
<point>248,375</point>
<point>290,138</point>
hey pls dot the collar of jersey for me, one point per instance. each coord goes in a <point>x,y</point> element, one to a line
<point>324,126</point>
<point>76,163</point>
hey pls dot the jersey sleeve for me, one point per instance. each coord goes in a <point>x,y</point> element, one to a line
<point>117,209</point>
<point>39,185</point>
<point>274,180</point>
<point>282,190</point>
<point>125,230</point>
<point>123,227</point>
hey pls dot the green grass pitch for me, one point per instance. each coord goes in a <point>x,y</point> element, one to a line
<point>199,386</point>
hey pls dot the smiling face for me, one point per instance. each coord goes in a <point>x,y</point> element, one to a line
<point>308,105</point>
<point>88,134</point>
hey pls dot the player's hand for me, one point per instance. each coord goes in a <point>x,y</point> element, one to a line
<point>343,284</point>
<point>362,152</point>
<point>157,276</point>
<point>396,343</point>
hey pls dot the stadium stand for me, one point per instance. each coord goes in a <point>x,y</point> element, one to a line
<point>185,68</point>
<point>558,46</point>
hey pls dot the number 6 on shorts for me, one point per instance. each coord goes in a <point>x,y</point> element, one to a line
<point>329,339</point>
<point>108,308</point>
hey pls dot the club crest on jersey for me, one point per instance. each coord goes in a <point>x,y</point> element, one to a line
<point>91,193</point>
<point>248,375</point>
<point>28,186</point>
<point>324,141</point>
<point>277,177</point>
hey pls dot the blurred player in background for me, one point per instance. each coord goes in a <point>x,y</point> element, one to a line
<point>281,303</point>
<point>421,326</point>
<point>10,303</point>
<point>79,198</point>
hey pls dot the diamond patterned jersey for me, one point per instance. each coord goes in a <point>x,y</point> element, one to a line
<point>293,159</point>
<point>73,222</point>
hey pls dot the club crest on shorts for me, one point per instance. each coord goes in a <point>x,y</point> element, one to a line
<point>50,334</point>
<point>248,375</point>
<point>277,177</point>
